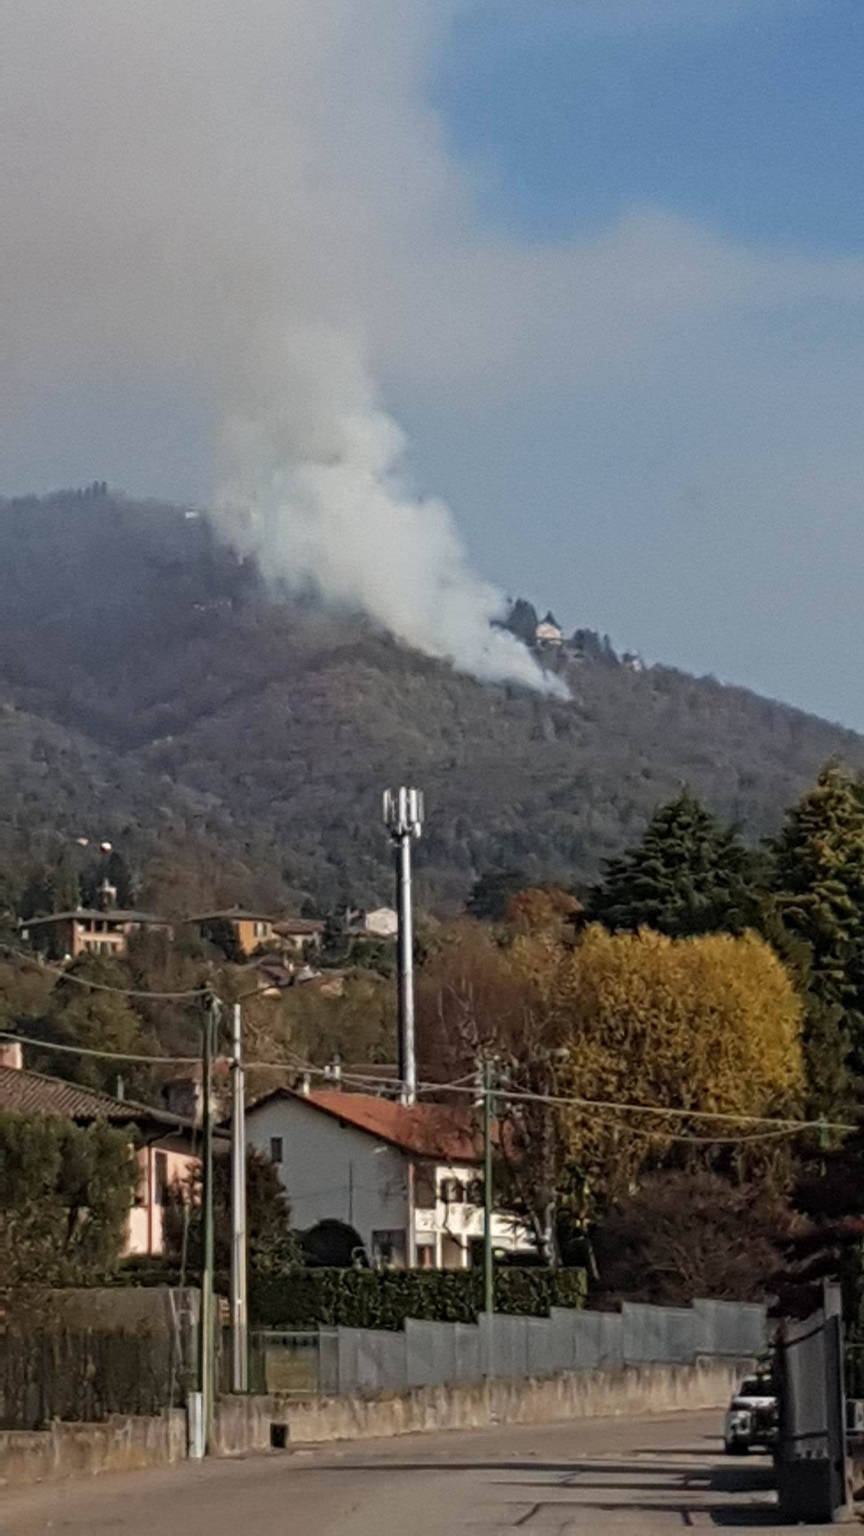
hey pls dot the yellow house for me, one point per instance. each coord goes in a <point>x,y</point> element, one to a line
<point>262,930</point>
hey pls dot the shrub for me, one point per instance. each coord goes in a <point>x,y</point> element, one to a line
<point>357,1298</point>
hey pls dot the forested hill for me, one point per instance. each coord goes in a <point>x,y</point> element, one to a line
<point>236,745</point>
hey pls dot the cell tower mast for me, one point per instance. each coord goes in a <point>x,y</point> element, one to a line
<point>403,818</point>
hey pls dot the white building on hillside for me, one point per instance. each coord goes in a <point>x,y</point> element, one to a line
<point>407,1178</point>
<point>548,632</point>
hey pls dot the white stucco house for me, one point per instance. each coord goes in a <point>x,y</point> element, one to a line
<point>407,1178</point>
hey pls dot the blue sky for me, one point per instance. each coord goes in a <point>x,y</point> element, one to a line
<point>746,123</point>
<point>602,261</point>
<point>751,122</point>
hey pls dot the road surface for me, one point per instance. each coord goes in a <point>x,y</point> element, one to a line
<point>627,1477</point>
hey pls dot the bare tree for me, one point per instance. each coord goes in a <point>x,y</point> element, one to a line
<point>475,1006</point>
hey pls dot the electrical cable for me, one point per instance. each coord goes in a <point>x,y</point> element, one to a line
<point>86,1050</point>
<point>101,986</point>
<point>714,1141</point>
<point>573,1102</point>
<point>773,1126</point>
<point>510,1095</point>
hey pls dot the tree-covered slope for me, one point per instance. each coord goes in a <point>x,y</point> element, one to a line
<point>152,691</point>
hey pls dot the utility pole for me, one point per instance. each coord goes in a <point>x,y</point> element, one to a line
<point>403,818</point>
<point>488,1262</point>
<point>239,1310</point>
<point>206,1362</point>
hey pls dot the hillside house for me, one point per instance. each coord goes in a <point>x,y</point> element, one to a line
<point>88,931</point>
<point>548,632</point>
<point>278,973</point>
<point>165,1144</point>
<point>254,931</point>
<point>407,1178</point>
<point>379,923</point>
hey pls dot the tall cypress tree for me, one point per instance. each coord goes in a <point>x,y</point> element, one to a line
<point>818,901</point>
<point>688,876</point>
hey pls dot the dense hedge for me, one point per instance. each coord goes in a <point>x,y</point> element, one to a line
<point>363,1298</point>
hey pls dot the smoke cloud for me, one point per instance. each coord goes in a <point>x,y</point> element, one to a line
<point>217,199</point>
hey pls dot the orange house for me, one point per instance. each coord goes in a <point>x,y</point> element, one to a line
<point>87,931</point>
<point>262,930</point>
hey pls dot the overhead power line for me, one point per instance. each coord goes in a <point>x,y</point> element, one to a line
<point>719,1140</point>
<point>101,986</point>
<point>772,1127</point>
<point>86,1050</point>
<point>573,1102</point>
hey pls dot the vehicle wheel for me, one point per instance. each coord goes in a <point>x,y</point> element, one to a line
<point>735,1447</point>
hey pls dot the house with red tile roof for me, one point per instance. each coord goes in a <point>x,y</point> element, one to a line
<point>258,932</point>
<point>167,1146</point>
<point>88,931</point>
<point>407,1178</point>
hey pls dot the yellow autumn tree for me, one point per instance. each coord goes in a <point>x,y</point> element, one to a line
<point>699,1024</point>
<point>703,1024</point>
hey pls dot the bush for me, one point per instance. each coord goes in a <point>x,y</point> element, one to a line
<point>357,1298</point>
<point>65,1194</point>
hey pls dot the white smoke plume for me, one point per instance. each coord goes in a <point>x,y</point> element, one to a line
<point>220,201</point>
<point>318,494</point>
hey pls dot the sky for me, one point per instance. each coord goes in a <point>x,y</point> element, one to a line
<point>598,264</point>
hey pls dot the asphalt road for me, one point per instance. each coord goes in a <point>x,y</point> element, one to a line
<point>630,1477</point>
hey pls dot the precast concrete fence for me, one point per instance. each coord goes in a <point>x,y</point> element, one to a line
<point>369,1362</point>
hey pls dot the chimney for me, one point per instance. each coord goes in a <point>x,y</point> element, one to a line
<point>306,1084</point>
<point>12,1055</point>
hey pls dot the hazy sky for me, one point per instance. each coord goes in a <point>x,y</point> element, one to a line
<point>602,260</point>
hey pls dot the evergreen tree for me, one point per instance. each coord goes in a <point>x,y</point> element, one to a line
<point>492,892</point>
<point>65,1193</point>
<point>818,901</point>
<point>825,1035</point>
<point>105,1021</point>
<point>273,1247</point>
<point>522,620</point>
<point>113,869</point>
<point>51,888</point>
<point>688,876</point>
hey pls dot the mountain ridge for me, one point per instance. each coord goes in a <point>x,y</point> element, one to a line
<point>154,691</point>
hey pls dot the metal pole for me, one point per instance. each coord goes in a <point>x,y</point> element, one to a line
<point>403,818</point>
<point>488,1269</point>
<point>407,1055</point>
<point>207,1340</point>
<point>239,1310</point>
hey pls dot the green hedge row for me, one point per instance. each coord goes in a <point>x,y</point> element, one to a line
<point>363,1298</point>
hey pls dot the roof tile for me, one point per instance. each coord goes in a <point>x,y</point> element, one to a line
<point>426,1130</point>
<point>33,1093</point>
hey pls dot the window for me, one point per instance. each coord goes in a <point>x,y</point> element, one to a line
<point>452,1191</point>
<point>424,1257</point>
<point>276,1149</point>
<point>262,930</point>
<point>424,1189</point>
<point>475,1192</point>
<point>160,1178</point>
<point>388,1248</point>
